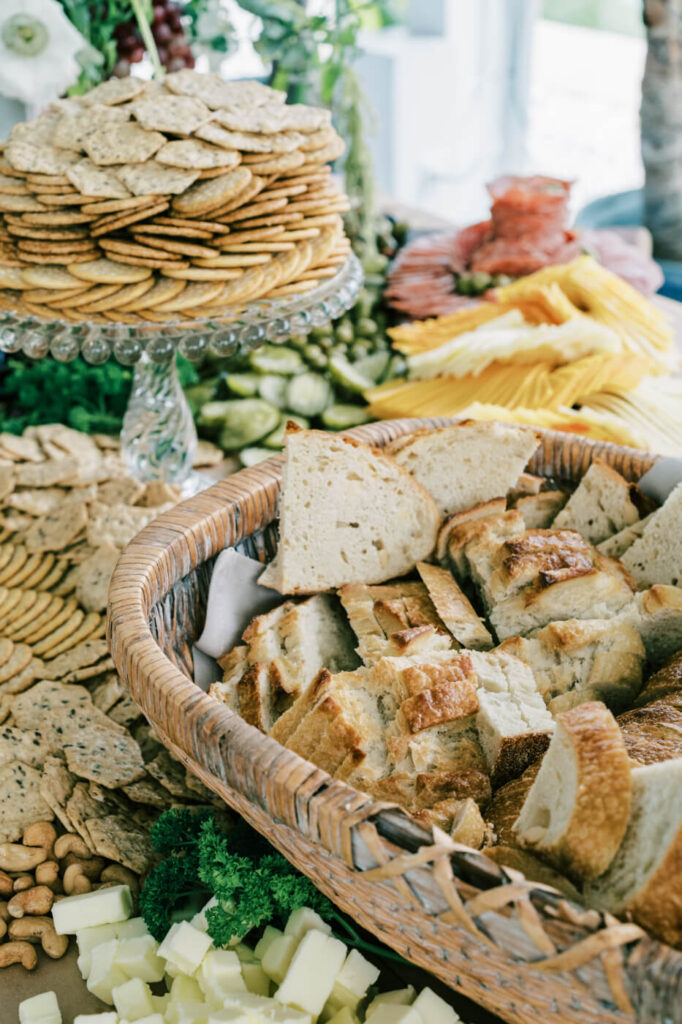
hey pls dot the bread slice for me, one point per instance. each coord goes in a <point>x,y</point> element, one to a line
<point>462,819</point>
<point>656,556</point>
<point>664,685</point>
<point>482,536</point>
<point>656,614</point>
<point>454,608</point>
<point>234,664</point>
<point>581,660</point>
<point>494,507</point>
<point>528,483</point>
<point>601,505</point>
<point>616,545</point>
<point>645,877</point>
<point>468,463</point>
<point>577,810</point>
<point>653,733</point>
<point>539,510</point>
<point>348,514</point>
<point>384,619</point>
<point>506,803</point>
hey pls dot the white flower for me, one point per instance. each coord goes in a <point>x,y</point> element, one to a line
<point>38,47</point>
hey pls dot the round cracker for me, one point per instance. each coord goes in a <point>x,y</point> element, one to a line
<point>125,248</point>
<point>54,278</point>
<point>106,271</point>
<point>206,195</point>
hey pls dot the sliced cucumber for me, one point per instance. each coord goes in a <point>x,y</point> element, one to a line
<point>277,359</point>
<point>348,376</point>
<point>366,326</point>
<point>243,384</point>
<point>344,332</point>
<point>276,438</point>
<point>316,356</point>
<point>212,414</point>
<point>252,456</point>
<point>245,421</point>
<point>373,366</point>
<point>273,388</point>
<point>341,417</point>
<point>198,395</point>
<point>309,394</point>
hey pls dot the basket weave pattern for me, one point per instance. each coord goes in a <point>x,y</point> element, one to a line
<point>518,948</point>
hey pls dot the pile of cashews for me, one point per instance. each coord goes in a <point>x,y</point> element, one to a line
<point>34,875</point>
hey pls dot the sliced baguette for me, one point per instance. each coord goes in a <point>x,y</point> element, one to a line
<point>348,514</point>
<point>539,510</point>
<point>656,556</point>
<point>495,507</point>
<point>601,505</point>
<point>577,810</point>
<point>616,545</point>
<point>656,614</point>
<point>512,735</point>
<point>653,733</point>
<point>454,608</point>
<point>645,877</point>
<point>468,463</point>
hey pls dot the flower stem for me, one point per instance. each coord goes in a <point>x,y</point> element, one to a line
<point>147,37</point>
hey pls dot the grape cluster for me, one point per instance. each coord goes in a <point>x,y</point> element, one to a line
<point>169,35</point>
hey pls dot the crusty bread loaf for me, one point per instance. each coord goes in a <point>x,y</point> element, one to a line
<point>528,483</point>
<point>512,734</point>
<point>468,463</point>
<point>385,619</point>
<point>454,607</point>
<point>577,810</point>
<point>656,614</point>
<point>462,819</point>
<point>494,507</point>
<point>348,514</point>
<point>483,536</point>
<point>665,684</point>
<point>653,733</point>
<point>539,510</point>
<point>601,505</point>
<point>506,803</point>
<point>645,877</point>
<point>656,556</point>
<point>580,660</point>
<point>616,545</point>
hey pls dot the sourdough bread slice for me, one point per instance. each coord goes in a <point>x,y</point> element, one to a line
<point>483,537</point>
<point>665,684</point>
<point>494,507</point>
<point>392,619</point>
<point>578,807</point>
<point>348,514</point>
<point>653,733</point>
<point>454,608</point>
<point>539,510</point>
<point>601,505</point>
<point>645,877</point>
<point>512,734</point>
<point>656,556</point>
<point>616,545</point>
<point>467,463</point>
<point>656,614</point>
<point>506,803</point>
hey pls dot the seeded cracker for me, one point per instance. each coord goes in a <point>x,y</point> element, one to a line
<point>153,179</point>
<point>122,143</point>
<point>84,656</point>
<point>102,755</point>
<point>57,529</point>
<point>116,838</point>
<point>92,180</point>
<point>191,153</point>
<point>72,129</point>
<point>23,745</point>
<point>20,801</point>
<point>116,90</point>
<point>177,115</point>
<point>44,158</point>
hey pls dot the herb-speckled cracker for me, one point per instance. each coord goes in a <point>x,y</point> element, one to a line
<point>177,115</point>
<point>103,755</point>
<point>20,801</point>
<point>72,129</point>
<point>22,745</point>
<point>92,180</point>
<point>45,159</point>
<point>122,144</point>
<point>153,179</point>
<point>191,153</point>
<point>85,655</point>
<point>57,529</point>
<point>116,838</point>
<point>116,90</point>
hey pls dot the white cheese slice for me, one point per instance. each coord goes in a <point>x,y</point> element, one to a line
<point>138,958</point>
<point>88,909</point>
<point>133,999</point>
<point>255,979</point>
<point>104,974</point>
<point>304,920</point>
<point>432,1009</point>
<point>278,956</point>
<point>40,1009</point>
<point>184,946</point>
<point>357,973</point>
<point>311,973</point>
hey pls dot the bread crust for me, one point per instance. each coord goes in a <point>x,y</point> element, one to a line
<point>454,699</point>
<point>658,906</point>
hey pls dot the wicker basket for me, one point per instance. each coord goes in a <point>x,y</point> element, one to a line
<point>518,949</point>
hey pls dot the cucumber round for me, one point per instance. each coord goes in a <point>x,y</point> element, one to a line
<point>342,417</point>
<point>273,388</point>
<point>277,359</point>
<point>252,456</point>
<point>243,384</point>
<point>276,438</point>
<point>308,394</point>
<point>246,421</point>
<point>212,414</point>
<point>348,376</point>
<point>373,366</point>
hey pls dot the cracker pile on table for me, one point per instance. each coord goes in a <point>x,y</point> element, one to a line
<point>73,745</point>
<point>164,201</point>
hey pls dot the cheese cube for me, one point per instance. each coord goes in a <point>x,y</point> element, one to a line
<point>344,1016</point>
<point>88,909</point>
<point>266,940</point>
<point>87,939</point>
<point>232,1015</point>
<point>432,1009</point>
<point>187,1013</point>
<point>138,958</point>
<point>278,956</point>
<point>311,973</point>
<point>288,1015</point>
<point>357,974</point>
<point>199,920</point>
<point>399,996</point>
<point>153,1018</point>
<point>220,972</point>
<point>391,1013</point>
<point>133,999</point>
<point>304,920</point>
<point>255,979</point>
<point>133,928</point>
<point>41,1009</point>
<point>185,990</point>
<point>246,954</point>
<point>104,974</point>
<point>246,1001</point>
<point>339,998</point>
<point>184,946</point>
<point>108,1017</point>
<point>161,1003</point>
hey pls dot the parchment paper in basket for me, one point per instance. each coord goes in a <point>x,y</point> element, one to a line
<point>661,479</point>
<point>234,597</point>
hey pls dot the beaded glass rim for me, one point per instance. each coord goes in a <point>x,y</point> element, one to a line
<point>266,320</point>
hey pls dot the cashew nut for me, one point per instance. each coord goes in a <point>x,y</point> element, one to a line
<point>6,884</point>
<point>47,873</point>
<point>40,929</point>
<point>32,901</point>
<point>75,881</point>
<point>14,857</point>
<point>119,875</point>
<point>22,882</point>
<point>71,843</point>
<point>41,833</point>
<point>18,953</point>
<point>3,929</point>
<point>4,912</point>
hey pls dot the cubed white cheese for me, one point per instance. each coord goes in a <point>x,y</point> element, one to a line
<point>87,939</point>
<point>246,954</point>
<point>266,940</point>
<point>278,956</point>
<point>339,997</point>
<point>89,909</point>
<point>133,928</point>
<point>247,1001</point>
<point>390,1013</point>
<point>357,973</point>
<point>153,1018</point>
<point>187,1013</point>
<point>41,1009</point>
<point>255,979</point>
<point>161,1003</point>
<point>108,1017</point>
<point>199,920</point>
<point>220,972</point>
<point>185,990</point>
<point>104,974</point>
<point>432,1009</point>
<point>344,1016</point>
<point>185,947</point>
<point>288,1015</point>
<point>399,996</point>
<point>138,958</point>
<point>133,999</point>
<point>304,920</point>
<point>311,973</point>
<point>232,1015</point>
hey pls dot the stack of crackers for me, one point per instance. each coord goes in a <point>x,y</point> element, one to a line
<point>73,745</point>
<point>168,201</point>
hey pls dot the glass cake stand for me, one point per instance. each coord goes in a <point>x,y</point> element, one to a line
<point>158,439</point>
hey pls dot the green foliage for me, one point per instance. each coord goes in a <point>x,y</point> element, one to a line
<point>96,21</point>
